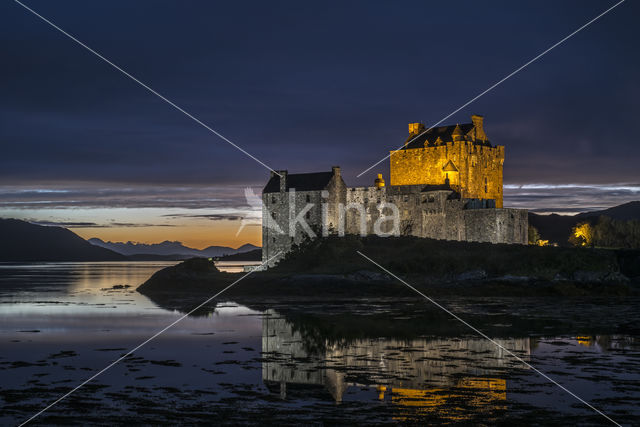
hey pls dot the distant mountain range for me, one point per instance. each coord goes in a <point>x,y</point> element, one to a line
<point>23,241</point>
<point>169,249</point>
<point>557,228</point>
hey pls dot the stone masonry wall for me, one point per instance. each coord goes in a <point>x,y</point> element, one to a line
<point>479,167</point>
<point>435,214</point>
<point>280,210</point>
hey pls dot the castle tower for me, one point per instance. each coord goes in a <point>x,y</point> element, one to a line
<point>459,155</point>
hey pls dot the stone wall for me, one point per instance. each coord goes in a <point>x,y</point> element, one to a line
<point>479,174</point>
<point>279,211</point>
<point>497,225</point>
<point>440,214</point>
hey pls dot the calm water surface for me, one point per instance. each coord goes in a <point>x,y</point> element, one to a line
<point>373,362</point>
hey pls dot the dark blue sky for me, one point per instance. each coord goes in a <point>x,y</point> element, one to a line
<point>304,86</point>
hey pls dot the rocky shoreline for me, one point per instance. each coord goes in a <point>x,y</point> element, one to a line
<point>560,272</point>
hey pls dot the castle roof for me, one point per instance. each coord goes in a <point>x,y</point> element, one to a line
<point>430,136</point>
<point>457,131</point>
<point>300,181</point>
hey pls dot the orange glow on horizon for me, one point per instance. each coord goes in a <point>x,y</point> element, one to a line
<point>200,236</point>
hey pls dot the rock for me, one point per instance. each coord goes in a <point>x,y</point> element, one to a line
<point>200,265</point>
<point>615,277</point>
<point>472,275</point>
<point>366,275</point>
<point>588,276</point>
<point>512,278</point>
<point>195,273</point>
<point>314,278</point>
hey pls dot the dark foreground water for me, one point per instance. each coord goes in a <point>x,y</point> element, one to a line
<point>324,362</point>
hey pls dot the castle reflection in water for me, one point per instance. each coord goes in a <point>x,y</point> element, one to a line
<point>423,374</point>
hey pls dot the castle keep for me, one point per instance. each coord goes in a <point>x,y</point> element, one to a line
<point>445,183</point>
<point>460,154</point>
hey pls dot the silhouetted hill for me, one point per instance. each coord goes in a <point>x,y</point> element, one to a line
<point>247,247</point>
<point>174,250</point>
<point>254,255</point>
<point>557,228</point>
<point>215,251</point>
<point>625,212</point>
<point>22,241</point>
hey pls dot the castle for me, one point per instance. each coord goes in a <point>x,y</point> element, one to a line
<point>445,183</point>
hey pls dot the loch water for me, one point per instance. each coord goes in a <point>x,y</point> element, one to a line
<point>373,361</point>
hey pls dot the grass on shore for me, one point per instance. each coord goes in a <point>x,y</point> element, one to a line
<point>438,258</point>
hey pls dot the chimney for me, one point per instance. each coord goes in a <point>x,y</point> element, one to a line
<point>336,170</point>
<point>415,128</point>
<point>283,180</point>
<point>478,125</point>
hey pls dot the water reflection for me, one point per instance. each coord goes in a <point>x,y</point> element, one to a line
<point>427,374</point>
<point>303,361</point>
<point>74,287</point>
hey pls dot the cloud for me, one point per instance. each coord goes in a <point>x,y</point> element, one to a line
<point>80,224</point>
<point>109,195</point>
<point>212,217</point>
<point>66,224</point>
<point>569,198</point>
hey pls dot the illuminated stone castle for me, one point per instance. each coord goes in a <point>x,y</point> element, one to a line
<point>445,183</point>
<point>460,156</point>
